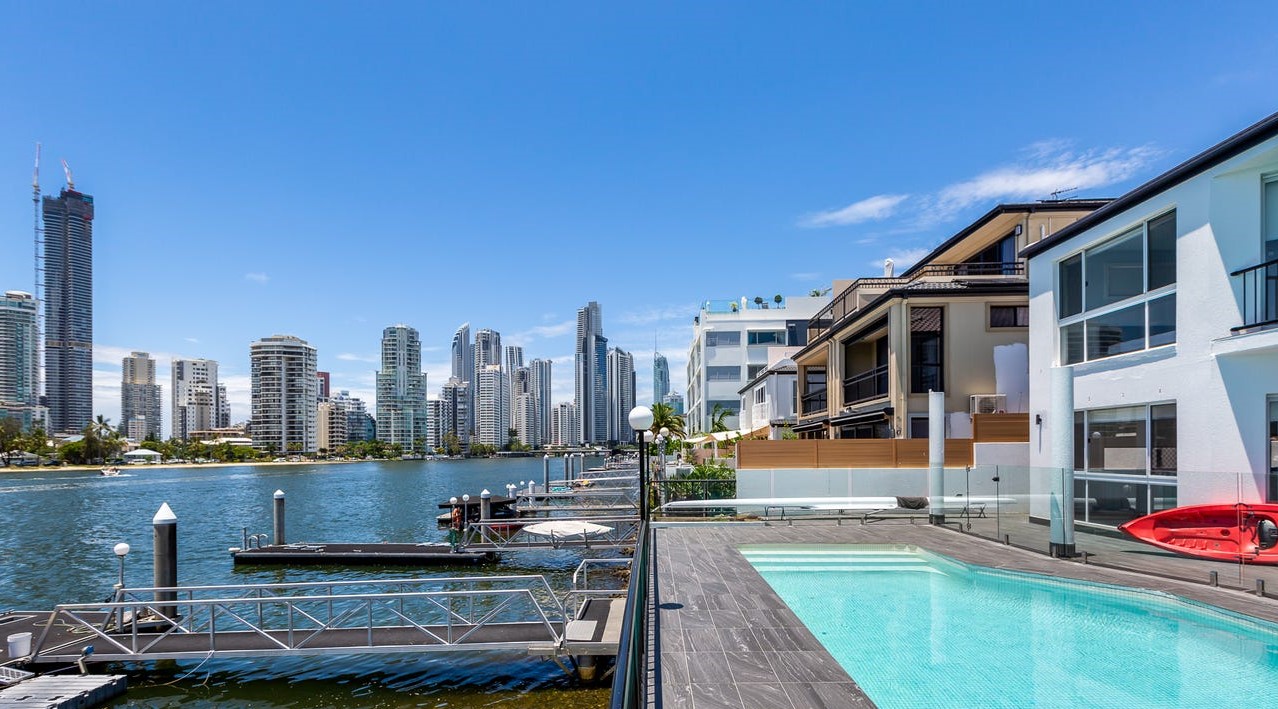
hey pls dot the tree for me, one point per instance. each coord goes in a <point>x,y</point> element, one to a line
<point>452,444</point>
<point>36,442</point>
<point>818,292</point>
<point>10,437</point>
<point>663,416</point>
<point>777,299</point>
<point>719,419</point>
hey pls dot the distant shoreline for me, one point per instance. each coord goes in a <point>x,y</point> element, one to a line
<point>264,463</point>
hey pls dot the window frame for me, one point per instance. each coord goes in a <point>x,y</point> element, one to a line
<point>1143,299</point>
<point>1017,307</point>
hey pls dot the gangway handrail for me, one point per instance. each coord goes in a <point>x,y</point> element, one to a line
<point>494,534</point>
<point>201,615</point>
<point>629,683</point>
<point>349,582</point>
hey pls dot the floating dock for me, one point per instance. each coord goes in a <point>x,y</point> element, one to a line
<point>373,553</point>
<point>63,691</point>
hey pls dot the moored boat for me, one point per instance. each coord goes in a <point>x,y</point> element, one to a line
<point>1237,532</point>
<point>110,471</point>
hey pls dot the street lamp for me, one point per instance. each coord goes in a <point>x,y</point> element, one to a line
<point>121,550</point>
<point>641,420</point>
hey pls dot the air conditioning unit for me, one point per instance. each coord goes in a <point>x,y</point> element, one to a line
<point>988,404</point>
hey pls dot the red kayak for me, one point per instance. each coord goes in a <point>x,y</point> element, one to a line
<point>1238,532</point>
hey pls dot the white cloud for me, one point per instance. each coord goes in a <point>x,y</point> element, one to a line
<point>349,357</point>
<point>192,340</point>
<point>257,277</point>
<point>659,314</point>
<point>1053,167</point>
<point>541,332</point>
<point>870,209</point>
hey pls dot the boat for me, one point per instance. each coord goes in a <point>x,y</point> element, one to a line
<point>110,471</point>
<point>1238,532</point>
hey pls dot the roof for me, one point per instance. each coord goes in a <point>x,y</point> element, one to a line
<point>785,365</point>
<point>1246,139</point>
<point>1062,205</point>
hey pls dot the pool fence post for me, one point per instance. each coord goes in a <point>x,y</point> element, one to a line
<point>936,456</point>
<point>164,556</point>
<point>1061,502</point>
<point>279,517</point>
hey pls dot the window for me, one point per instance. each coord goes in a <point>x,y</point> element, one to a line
<point>997,258</point>
<point>729,405</point>
<point>1270,217</point>
<point>1127,462</point>
<point>723,374</point>
<point>919,427</point>
<point>754,370</point>
<point>1272,404</point>
<point>1009,316</point>
<point>1113,298</point>
<point>715,338</point>
<point>765,337</point>
<point>926,350</point>
<point>813,399</point>
<point>760,395</point>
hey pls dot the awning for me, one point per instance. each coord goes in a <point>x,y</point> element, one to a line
<point>813,426</point>
<point>862,417</point>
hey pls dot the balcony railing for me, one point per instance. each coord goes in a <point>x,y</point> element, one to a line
<point>813,403</point>
<point>848,301</point>
<point>1260,295</point>
<point>872,384</point>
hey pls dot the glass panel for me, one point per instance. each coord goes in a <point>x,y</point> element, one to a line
<point>1081,508</point>
<point>926,350</point>
<point>1080,441</point>
<point>1113,503</point>
<point>1162,429</point>
<point>1070,288</point>
<point>918,426</point>
<point>1162,321</point>
<point>1009,316</point>
<point>1117,332</point>
<point>1273,448</point>
<point>1162,251</point>
<point>1072,343</point>
<point>723,374</point>
<point>1116,440</point>
<point>1271,220</point>
<point>722,339</point>
<point>1115,271</point>
<point>765,337</point>
<point>1164,497</point>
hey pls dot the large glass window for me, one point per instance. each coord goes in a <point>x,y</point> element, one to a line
<point>715,338</point>
<point>1128,462</point>
<point>927,350</point>
<point>1270,218</point>
<point>765,337</point>
<point>1009,316</point>
<point>1114,298</point>
<point>723,374</point>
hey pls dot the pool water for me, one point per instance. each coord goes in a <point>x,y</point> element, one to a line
<point>916,629</point>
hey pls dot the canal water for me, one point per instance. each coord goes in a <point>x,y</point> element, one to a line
<point>57,530</point>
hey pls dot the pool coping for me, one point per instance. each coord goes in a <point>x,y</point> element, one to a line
<point>723,639</point>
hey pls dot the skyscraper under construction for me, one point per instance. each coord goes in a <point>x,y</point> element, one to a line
<point>68,310</point>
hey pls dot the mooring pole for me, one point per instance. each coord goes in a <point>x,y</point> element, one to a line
<point>936,456</point>
<point>279,517</point>
<point>485,505</point>
<point>164,525</point>
<point>545,473</point>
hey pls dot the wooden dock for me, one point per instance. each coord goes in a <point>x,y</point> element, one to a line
<point>63,691</point>
<point>375,554</point>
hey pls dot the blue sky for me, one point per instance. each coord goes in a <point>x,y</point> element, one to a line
<point>327,170</point>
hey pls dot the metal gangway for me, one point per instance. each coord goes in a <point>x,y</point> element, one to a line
<point>597,532</point>
<point>586,499</point>
<point>513,613</point>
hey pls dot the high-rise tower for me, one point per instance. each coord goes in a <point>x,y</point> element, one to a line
<point>285,392</point>
<point>19,365</point>
<point>401,390</point>
<point>621,394</point>
<point>541,372</point>
<point>68,310</point>
<point>591,376</point>
<point>660,377</point>
<point>139,397</point>
<point>195,397</point>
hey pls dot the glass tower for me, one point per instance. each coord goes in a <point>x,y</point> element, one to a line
<point>68,310</point>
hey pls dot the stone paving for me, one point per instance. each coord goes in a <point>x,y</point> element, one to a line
<point>726,640</point>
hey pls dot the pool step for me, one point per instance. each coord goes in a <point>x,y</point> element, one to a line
<point>837,560</point>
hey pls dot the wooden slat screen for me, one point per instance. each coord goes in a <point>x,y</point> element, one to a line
<point>1000,428</point>
<point>849,453</point>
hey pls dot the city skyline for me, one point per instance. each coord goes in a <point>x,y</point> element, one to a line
<point>746,143</point>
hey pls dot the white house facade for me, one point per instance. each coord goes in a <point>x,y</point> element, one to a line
<point>1163,309</point>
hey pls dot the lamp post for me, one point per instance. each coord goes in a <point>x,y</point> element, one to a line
<point>121,550</point>
<point>641,420</point>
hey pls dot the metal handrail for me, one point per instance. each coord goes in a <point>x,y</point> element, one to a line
<point>814,402</point>
<point>629,684</point>
<point>855,391</point>
<point>496,534</point>
<point>1260,295</point>
<point>460,612</point>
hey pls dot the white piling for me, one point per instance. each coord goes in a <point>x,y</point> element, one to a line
<point>279,517</point>
<point>164,525</point>
<point>936,456</point>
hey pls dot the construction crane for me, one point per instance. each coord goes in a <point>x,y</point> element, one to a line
<point>70,181</point>
<point>35,174</point>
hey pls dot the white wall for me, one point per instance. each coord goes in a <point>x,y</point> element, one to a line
<point>1218,381</point>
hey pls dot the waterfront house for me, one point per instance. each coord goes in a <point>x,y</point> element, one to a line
<point>956,321</point>
<point>768,400</point>
<point>1162,307</point>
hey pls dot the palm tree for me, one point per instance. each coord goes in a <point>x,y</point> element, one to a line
<point>718,419</point>
<point>663,416</point>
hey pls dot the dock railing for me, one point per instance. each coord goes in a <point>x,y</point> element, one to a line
<point>313,618</point>
<point>505,534</point>
<point>630,682</point>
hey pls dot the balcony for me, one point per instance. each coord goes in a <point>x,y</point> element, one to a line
<point>814,402</point>
<point>864,290</point>
<point>1260,296</point>
<point>872,384</point>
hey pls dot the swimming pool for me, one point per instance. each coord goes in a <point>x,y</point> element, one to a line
<point>917,629</point>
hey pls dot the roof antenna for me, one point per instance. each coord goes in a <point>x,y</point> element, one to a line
<point>1056,195</point>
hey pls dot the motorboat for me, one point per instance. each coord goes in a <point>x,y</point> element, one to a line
<point>110,471</point>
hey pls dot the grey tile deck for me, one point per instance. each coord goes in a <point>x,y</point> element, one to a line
<point>725,639</point>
